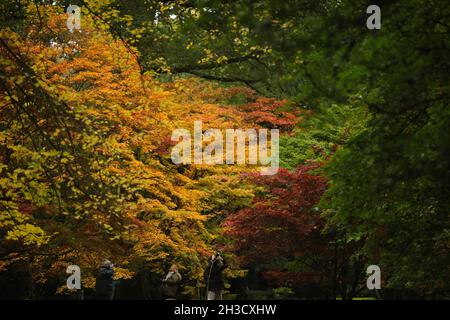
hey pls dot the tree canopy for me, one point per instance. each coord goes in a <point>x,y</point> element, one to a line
<point>86,119</point>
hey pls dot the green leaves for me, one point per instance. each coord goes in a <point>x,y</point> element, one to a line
<point>320,133</point>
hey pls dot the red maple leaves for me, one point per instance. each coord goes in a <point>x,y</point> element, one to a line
<point>269,113</point>
<point>283,221</point>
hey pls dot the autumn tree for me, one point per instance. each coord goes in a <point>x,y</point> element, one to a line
<point>283,237</point>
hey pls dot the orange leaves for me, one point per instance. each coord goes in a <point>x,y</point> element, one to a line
<point>112,189</point>
<point>270,113</point>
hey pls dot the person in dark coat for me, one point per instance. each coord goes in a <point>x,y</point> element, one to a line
<point>213,276</point>
<point>104,284</point>
<point>169,286</point>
